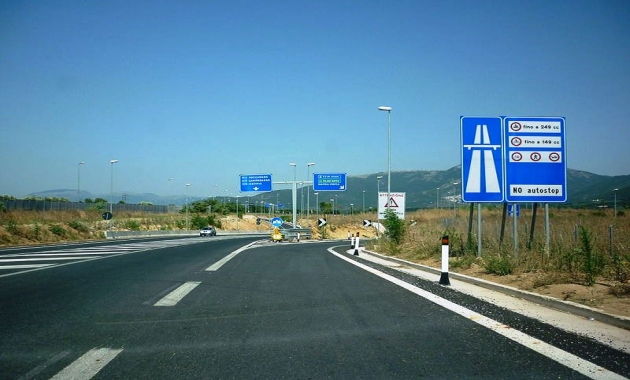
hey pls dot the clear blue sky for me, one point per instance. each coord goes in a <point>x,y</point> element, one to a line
<point>202,91</point>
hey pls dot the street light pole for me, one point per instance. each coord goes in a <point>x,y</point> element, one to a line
<point>363,205</point>
<point>308,192</point>
<point>79,181</point>
<point>437,199</point>
<point>615,191</point>
<point>187,185</point>
<point>111,185</point>
<point>294,195</point>
<point>389,149</point>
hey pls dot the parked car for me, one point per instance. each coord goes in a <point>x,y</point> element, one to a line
<point>208,231</point>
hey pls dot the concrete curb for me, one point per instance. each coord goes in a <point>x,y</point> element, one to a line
<point>566,306</point>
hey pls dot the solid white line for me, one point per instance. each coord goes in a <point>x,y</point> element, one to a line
<point>227,258</point>
<point>25,266</point>
<point>574,362</point>
<point>41,259</point>
<point>176,295</point>
<point>88,365</point>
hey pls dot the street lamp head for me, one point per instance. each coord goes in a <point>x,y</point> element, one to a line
<point>379,177</point>
<point>310,164</point>
<point>615,189</point>
<point>385,108</point>
<point>292,164</point>
<point>113,161</point>
<point>81,163</point>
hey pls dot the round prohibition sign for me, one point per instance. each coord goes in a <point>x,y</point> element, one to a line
<point>554,156</point>
<point>535,156</point>
<point>515,126</point>
<point>516,141</point>
<point>516,156</point>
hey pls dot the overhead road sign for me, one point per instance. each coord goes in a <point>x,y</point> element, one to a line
<point>482,159</point>
<point>255,182</point>
<point>329,182</point>
<point>535,159</point>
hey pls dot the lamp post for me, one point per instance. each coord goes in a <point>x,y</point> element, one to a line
<point>351,209</point>
<point>378,196</point>
<point>317,205</point>
<point>332,200</point>
<point>308,190</point>
<point>294,195</point>
<point>455,198</point>
<point>389,150</point>
<point>111,185</point>
<point>79,181</point>
<point>437,198</point>
<point>363,206</point>
<point>615,191</point>
<point>187,185</point>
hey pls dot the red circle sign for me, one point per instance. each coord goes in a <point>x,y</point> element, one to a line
<point>515,126</point>
<point>516,156</point>
<point>535,156</point>
<point>516,141</point>
<point>554,156</point>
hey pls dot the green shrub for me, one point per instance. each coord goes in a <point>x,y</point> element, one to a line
<point>593,262</point>
<point>57,230</point>
<point>132,225</point>
<point>78,226</point>
<point>394,227</point>
<point>499,265</point>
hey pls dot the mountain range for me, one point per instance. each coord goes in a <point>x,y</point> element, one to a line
<point>423,188</point>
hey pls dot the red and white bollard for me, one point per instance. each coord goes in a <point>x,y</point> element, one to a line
<point>444,276</point>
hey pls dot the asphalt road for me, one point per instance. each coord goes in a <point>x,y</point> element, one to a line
<point>208,309</point>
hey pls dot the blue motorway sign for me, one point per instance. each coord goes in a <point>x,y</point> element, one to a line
<point>255,182</point>
<point>535,159</point>
<point>277,222</point>
<point>329,182</point>
<point>482,159</point>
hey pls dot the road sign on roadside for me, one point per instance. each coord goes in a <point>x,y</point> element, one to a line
<point>482,159</point>
<point>255,182</point>
<point>277,222</point>
<point>396,204</point>
<point>329,181</point>
<point>535,159</point>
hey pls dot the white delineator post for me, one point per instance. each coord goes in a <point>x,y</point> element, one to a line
<point>351,238</point>
<point>356,245</point>
<point>444,276</point>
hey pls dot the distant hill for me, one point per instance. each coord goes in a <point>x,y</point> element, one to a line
<point>421,188</point>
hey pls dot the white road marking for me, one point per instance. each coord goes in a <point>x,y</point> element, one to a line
<point>176,295</point>
<point>88,365</point>
<point>220,263</point>
<point>41,259</point>
<point>25,266</point>
<point>576,363</point>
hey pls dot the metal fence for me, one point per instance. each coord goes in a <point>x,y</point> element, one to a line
<point>40,205</point>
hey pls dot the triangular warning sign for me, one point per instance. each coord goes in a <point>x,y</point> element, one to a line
<point>392,203</point>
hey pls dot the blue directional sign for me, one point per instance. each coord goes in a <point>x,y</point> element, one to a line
<point>482,159</point>
<point>277,222</point>
<point>329,182</point>
<point>512,207</point>
<point>255,182</point>
<point>535,159</point>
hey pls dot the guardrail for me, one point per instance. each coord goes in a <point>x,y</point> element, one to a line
<point>137,234</point>
<point>292,233</point>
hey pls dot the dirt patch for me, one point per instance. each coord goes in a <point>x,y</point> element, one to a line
<point>600,296</point>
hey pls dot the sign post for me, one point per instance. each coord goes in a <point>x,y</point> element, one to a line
<point>535,164</point>
<point>255,182</point>
<point>329,182</point>
<point>482,159</point>
<point>396,203</point>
